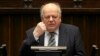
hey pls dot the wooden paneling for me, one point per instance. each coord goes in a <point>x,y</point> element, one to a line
<point>15,20</point>
<point>13,26</point>
<point>91,3</point>
<point>11,3</point>
<point>38,3</point>
<point>65,4</point>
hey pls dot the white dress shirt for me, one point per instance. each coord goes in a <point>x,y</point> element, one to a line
<point>47,36</point>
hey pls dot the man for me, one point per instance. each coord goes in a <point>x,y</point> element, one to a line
<point>65,34</point>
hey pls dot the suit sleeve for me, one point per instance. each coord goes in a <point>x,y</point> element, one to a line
<point>26,45</point>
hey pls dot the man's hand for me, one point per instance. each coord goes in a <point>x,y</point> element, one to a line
<point>39,29</point>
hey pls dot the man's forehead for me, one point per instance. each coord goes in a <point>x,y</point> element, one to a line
<point>50,7</point>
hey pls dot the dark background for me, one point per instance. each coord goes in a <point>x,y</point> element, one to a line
<point>15,20</point>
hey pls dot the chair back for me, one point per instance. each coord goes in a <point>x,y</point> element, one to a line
<point>94,50</point>
<point>3,51</point>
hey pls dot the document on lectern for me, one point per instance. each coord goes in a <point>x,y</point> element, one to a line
<point>48,48</point>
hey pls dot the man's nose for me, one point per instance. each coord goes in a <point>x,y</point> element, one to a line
<point>51,18</point>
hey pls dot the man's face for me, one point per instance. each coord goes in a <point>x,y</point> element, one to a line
<point>51,18</point>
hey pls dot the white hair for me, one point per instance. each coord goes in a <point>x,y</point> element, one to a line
<point>56,4</point>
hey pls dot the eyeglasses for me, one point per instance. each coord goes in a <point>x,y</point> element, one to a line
<point>51,17</point>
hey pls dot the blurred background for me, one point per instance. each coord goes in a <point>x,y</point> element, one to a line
<point>16,16</point>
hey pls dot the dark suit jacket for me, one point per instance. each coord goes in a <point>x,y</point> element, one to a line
<point>69,36</point>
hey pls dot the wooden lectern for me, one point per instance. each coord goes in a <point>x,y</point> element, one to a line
<point>45,50</point>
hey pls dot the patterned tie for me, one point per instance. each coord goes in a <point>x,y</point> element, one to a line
<point>51,39</point>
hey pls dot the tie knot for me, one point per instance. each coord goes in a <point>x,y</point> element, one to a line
<point>52,34</point>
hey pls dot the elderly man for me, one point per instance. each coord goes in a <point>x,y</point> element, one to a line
<point>64,34</point>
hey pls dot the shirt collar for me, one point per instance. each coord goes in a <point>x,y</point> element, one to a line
<point>56,31</point>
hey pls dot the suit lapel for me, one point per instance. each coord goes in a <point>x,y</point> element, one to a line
<point>63,36</point>
<point>61,39</point>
